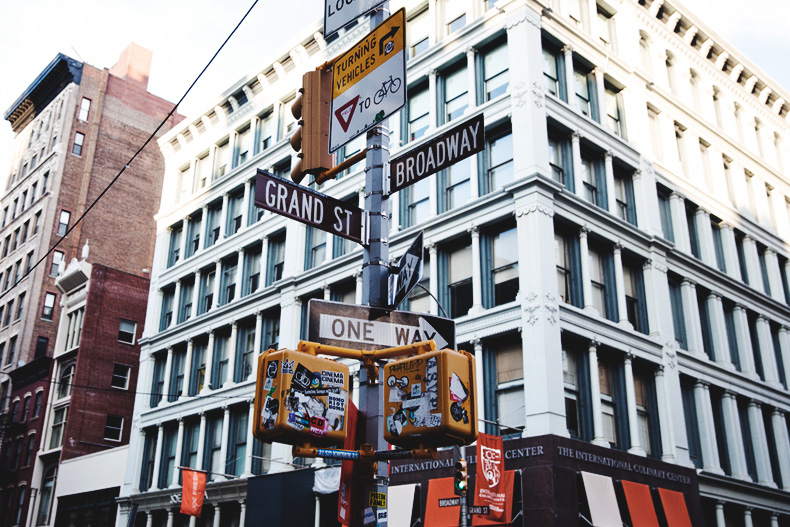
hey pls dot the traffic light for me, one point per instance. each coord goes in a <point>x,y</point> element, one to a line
<point>312,111</point>
<point>461,478</point>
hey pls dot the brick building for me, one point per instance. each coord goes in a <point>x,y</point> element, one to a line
<point>76,126</point>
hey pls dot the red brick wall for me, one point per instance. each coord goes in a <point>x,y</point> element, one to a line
<point>113,295</point>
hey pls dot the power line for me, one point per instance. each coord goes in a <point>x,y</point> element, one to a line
<point>131,160</point>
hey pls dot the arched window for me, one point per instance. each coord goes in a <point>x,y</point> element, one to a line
<point>45,505</point>
<point>66,378</point>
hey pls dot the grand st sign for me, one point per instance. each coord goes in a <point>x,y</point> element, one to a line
<point>308,206</point>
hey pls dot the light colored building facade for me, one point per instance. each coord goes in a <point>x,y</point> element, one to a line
<point>615,259</point>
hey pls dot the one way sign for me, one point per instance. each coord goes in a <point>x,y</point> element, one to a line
<point>409,273</point>
<point>360,327</point>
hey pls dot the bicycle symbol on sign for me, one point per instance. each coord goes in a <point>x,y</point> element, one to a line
<point>388,86</point>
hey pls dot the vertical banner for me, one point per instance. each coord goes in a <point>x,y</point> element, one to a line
<point>490,484</point>
<point>346,493</point>
<point>193,491</point>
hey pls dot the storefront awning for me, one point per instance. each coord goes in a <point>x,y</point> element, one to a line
<point>602,500</point>
<point>401,503</point>
<point>640,504</point>
<point>674,508</point>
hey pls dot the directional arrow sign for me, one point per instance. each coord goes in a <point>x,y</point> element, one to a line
<point>358,327</point>
<point>409,273</point>
<point>368,81</point>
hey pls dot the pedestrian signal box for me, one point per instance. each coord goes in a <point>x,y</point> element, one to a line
<point>300,398</point>
<point>430,400</point>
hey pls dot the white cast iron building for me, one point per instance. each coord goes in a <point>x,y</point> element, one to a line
<point>616,259</point>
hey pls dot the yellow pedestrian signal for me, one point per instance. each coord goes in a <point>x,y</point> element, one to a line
<point>300,398</point>
<point>312,111</point>
<point>430,400</point>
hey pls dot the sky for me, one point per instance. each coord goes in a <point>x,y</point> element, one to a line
<point>184,34</point>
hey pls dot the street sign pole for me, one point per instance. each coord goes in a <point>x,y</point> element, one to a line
<point>375,282</point>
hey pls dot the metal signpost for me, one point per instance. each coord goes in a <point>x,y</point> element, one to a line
<point>352,326</point>
<point>308,206</point>
<point>408,273</point>
<point>457,143</point>
<point>369,80</point>
<point>338,13</point>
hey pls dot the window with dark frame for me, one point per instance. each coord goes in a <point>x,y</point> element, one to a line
<point>79,140</point>
<point>113,427</point>
<point>120,376</point>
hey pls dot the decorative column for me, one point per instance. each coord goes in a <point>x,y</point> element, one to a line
<point>257,344</point>
<point>472,83</point>
<point>149,519</point>
<point>217,280</point>
<point>168,374</point>
<point>747,517</point>
<point>176,304</point>
<point>745,352</point>
<point>201,450</point>
<point>179,450</point>
<point>433,284</point>
<point>622,308</point>
<point>204,217</point>
<point>666,429</point>
<point>264,265</point>
<point>182,247</point>
<point>477,278</point>
<point>223,217</point>
<point>187,370</point>
<point>479,374</point>
<point>223,448</point>
<point>327,292</point>
<point>735,448</point>
<point>784,349</point>
<point>576,163</point>
<point>688,292</point>
<point>584,256</point>
<point>239,278</point>
<point>782,441</point>
<point>707,431</point>
<point>567,51</point>
<point>730,251</point>
<point>718,330</point>
<point>169,517</point>
<point>217,510</point>
<point>247,201</point>
<point>358,290</point>
<point>138,462</point>
<point>243,513</point>
<point>433,98</point>
<point>157,457</point>
<point>760,444</point>
<point>630,400</point>
<point>767,355</point>
<point>233,347</point>
<point>753,264</point>
<point>600,88</point>
<point>705,237</point>
<point>774,276</point>
<point>611,194</point>
<point>250,441</point>
<point>595,396</point>
<point>677,208</point>
<point>721,520</point>
<point>209,363</point>
<point>541,345</point>
<point>195,295</point>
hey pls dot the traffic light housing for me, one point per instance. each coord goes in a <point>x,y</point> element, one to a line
<point>461,477</point>
<point>312,109</point>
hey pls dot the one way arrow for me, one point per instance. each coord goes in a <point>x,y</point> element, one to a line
<point>430,333</point>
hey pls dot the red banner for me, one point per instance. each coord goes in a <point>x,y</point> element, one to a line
<point>345,496</point>
<point>193,491</point>
<point>491,488</point>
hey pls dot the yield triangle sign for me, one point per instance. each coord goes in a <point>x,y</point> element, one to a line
<point>346,112</point>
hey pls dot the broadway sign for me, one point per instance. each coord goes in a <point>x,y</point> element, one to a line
<point>308,206</point>
<point>455,144</point>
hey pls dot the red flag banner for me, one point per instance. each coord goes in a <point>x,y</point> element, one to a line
<point>345,496</point>
<point>193,491</point>
<point>490,480</point>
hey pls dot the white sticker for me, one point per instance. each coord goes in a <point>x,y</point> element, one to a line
<point>381,515</point>
<point>412,403</point>
<point>458,391</point>
<point>336,403</point>
<point>416,389</point>
<point>288,366</point>
<point>369,516</point>
<point>435,420</point>
<point>332,378</point>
